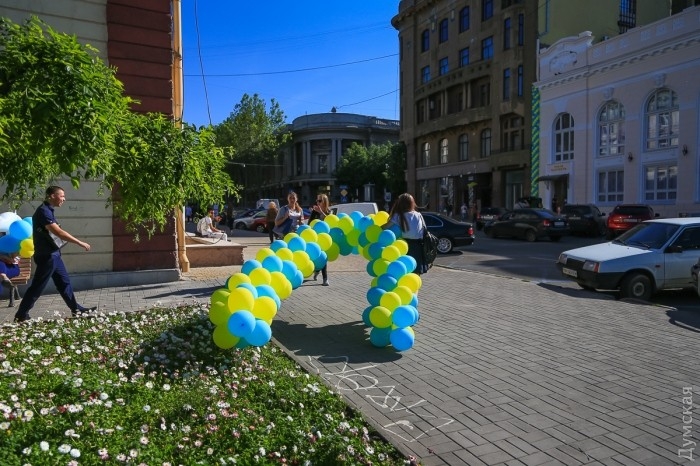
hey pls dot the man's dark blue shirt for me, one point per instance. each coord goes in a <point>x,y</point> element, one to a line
<point>44,215</point>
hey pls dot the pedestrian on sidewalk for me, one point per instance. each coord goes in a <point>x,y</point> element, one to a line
<point>320,211</point>
<point>49,238</point>
<point>412,226</point>
<point>270,219</point>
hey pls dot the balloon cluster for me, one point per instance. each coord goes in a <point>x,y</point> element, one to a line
<point>17,235</point>
<point>243,311</point>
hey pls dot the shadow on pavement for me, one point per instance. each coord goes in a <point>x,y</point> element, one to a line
<point>684,319</point>
<point>332,342</point>
<point>576,293</point>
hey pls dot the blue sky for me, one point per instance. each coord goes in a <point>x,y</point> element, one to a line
<point>264,42</point>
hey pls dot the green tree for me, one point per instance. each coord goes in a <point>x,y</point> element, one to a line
<point>382,165</point>
<point>252,136</point>
<point>63,113</point>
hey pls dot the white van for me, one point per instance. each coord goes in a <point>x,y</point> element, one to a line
<point>265,203</point>
<point>366,208</point>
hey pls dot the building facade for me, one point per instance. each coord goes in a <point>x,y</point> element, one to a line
<point>619,118</point>
<point>466,74</point>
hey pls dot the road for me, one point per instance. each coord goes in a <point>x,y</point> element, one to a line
<point>535,262</point>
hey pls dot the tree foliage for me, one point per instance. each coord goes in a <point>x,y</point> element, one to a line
<point>382,165</point>
<point>63,113</point>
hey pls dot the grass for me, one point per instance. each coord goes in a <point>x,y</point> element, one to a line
<point>151,388</point>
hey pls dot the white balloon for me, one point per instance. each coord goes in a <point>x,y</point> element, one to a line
<point>7,219</point>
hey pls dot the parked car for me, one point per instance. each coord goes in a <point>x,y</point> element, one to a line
<point>530,224</point>
<point>246,223</point>
<point>259,223</point>
<point>625,216</point>
<point>585,218</point>
<point>654,255</point>
<point>488,214</point>
<point>450,233</point>
<point>695,276</point>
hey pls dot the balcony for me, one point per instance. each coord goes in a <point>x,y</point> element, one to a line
<point>463,74</point>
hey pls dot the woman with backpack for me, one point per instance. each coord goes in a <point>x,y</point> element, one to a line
<point>412,227</point>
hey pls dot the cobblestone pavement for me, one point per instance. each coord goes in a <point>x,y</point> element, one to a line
<point>502,372</point>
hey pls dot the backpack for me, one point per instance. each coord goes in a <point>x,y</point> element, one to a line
<point>201,226</point>
<point>430,248</point>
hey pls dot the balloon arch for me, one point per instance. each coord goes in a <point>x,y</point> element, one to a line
<point>242,312</point>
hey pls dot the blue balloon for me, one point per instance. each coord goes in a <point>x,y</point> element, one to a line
<point>297,244</point>
<point>396,269</point>
<point>363,224</point>
<point>365,316</point>
<point>362,240</point>
<point>321,227</point>
<point>374,295</point>
<point>345,248</point>
<point>396,229</point>
<point>297,280</point>
<point>386,282</point>
<point>9,244</point>
<point>250,287</point>
<point>260,335</point>
<point>414,302</point>
<point>370,269</point>
<point>289,269</point>
<point>277,245</point>
<point>375,250</point>
<point>20,230</point>
<point>380,337</point>
<point>272,264</point>
<point>241,323</point>
<point>386,237</point>
<point>313,250</point>
<point>242,344</point>
<point>267,290</point>
<point>338,235</point>
<point>356,216</point>
<point>29,220</point>
<point>250,265</point>
<point>409,262</point>
<point>321,261</point>
<point>401,339</point>
<point>404,316</point>
<point>302,228</point>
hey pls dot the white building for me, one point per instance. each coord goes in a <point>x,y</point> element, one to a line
<point>619,119</point>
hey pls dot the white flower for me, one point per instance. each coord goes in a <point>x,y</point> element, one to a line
<point>75,453</point>
<point>103,396</point>
<point>146,408</point>
<point>149,384</point>
<point>64,448</point>
<point>166,387</point>
<point>262,451</point>
<point>4,425</point>
<point>44,445</point>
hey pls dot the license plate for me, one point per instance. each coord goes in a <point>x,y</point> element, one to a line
<point>574,218</point>
<point>630,220</point>
<point>569,272</point>
<point>558,224</point>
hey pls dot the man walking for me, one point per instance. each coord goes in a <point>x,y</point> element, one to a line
<point>49,237</point>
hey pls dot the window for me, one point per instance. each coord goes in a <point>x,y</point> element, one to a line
<point>425,41</point>
<point>486,9</point>
<point>563,138</point>
<point>443,30</point>
<point>512,132</point>
<point>611,186</point>
<point>520,80</point>
<point>484,94</point>
<point>485,143</point>
<point>628,15</point>
<point>661,183</point>
<point>444,67</point>
<point>506,33</point>
<point>464,19</point>
<point>434,106</point>
<point>425,74</point>
<point>444,149</point>
<point>662,119</point>
<point>506,84</point>
<point>487,48</point>
<point>521,29</point>
<point>426,154</point>
<point>420,112</point>
<point>323,163</point>
<point>611,129</point>
<point>464,57</point>
<point>463,147</point>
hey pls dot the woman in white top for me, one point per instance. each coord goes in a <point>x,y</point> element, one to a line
<point>412,226</point>
<point>289,217</point>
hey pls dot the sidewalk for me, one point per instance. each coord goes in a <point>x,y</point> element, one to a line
<point>503,371</point>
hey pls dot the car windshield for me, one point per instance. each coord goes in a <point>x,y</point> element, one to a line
<point>631,210</point>
<point>652,235</point>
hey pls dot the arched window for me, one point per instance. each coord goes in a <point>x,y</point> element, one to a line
<point>611,129</point>
<point>486,143</point>
<point>463,147</point>
<point>662,119</point>
<point>426,154</point>
<point>563,138</point>
<point>444,150</point>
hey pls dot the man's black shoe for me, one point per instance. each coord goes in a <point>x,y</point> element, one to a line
<point>21,320</point>
<point>84,311</point>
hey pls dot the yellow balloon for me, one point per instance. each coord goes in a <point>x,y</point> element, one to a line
<point>331,220</point>
<point>391,253</point>
<point>380,218</point>
<point>220,295</point>
<point>285,254</point>
<point>241,299</point>
<point>353,237</point>
<point>219,313</point>
<point>309,235</point>
<point>260,276</point>
<point>390,300</point>
<point>301,258</point>
<point>236,279</point>
<point>346,224</point>
<point>289,236</point>
<point>404,293</point>
<point>223,338</point>
<point>380,317</point>
<point>364,252</point>
<point>372,233</point>
<point>333,252</point>
<point>379,267</point>
<point>265,308</point>
<point>401,245</point>
<point>412,281</point>
<point>281,285</point>
<point>26,248</point>
<point>374,282</point>
<point>263,253</point>
<point>307,269</point>
<point>324,241</point>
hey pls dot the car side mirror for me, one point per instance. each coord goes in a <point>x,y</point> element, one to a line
<point>674,248</point>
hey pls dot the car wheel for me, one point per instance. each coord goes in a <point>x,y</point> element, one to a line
<point>530,236</point>
<point>555,238</point>
<point>602,231</point>
<point>240,226</point>
<point>260,228</point>
<point>586,287</point>
<point>444,245</point>
<point>636,286</point>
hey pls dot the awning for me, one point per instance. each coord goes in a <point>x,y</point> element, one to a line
<point>551,177</point>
